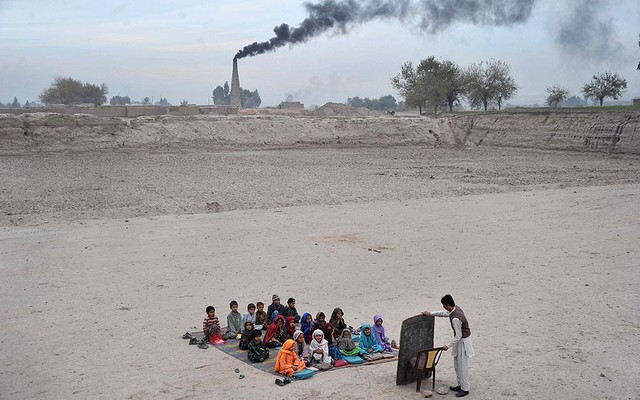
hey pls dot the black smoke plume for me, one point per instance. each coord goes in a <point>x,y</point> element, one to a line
<point>587,34</point>
<point>428,15</point>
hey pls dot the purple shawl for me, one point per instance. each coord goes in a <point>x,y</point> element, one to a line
<point>378,332</point>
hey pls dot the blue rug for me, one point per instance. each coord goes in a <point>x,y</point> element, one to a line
<point>230,347</point>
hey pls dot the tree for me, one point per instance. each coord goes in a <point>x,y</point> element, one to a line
<point>249,99</point>
<point>16,103</point>
<point>387,102</point>
<point>557,95</point>
<point>221,95</point>
<point>71,91</point>
<point>27,105</point>
<point>453,84</point>
<point>163,102</point>
<point>146,100</point>
<point>120,101</point>
<point>184,102</point>
<point>506,86</point>
<point>408,85</point>
<point>489,82</point>
<point>605,85</point>
<point>383,103</point>
<point>433,82</point>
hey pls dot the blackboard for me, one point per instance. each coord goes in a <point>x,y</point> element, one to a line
<point>416,334</point>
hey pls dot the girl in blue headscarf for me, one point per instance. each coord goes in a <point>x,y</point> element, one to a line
<point>368,343</point>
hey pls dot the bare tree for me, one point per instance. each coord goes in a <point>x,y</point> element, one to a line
<point>557,94</point>
<point>489,82</point>
<point>505,85</point>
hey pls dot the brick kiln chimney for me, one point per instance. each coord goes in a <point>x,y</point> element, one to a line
<point>235,85</point>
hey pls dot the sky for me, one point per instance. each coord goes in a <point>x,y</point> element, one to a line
<point>182,50</point>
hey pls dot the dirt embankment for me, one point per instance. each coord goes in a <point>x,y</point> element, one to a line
<point>565,130</point>
<point>53,132</point>
<point>582,131</point>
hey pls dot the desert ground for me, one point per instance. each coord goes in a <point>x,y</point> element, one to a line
<point>108,256</point>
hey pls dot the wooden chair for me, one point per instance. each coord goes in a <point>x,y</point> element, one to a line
<point>425,361</point>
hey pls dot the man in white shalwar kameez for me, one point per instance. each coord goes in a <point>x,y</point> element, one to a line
<point>461,346</point>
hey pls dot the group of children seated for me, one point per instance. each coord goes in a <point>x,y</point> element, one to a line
<point>315,343</point>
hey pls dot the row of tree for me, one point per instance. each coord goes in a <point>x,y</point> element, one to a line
<point>125,100</point>
<point>14,104</point>
<point>602,85</point>
<point>435,83</point>
<point>248,99</point>
<point>432,83</point>
<point>70,91</point>
<point>387,102</point>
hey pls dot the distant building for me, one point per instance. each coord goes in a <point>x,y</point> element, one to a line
<point>291,105</point>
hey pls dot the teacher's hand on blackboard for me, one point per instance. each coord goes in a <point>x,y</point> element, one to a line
<point>445,347</point>
<point>426,313</point>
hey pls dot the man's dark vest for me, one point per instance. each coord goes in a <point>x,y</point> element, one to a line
<point>458,313</point>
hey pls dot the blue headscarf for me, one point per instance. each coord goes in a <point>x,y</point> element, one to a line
<point>304,327</point>
<point>370,341</point>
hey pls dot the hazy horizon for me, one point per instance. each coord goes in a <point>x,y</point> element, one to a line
<point>178,51</point>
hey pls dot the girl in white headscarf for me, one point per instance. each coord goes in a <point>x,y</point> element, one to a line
<point>301,350</point>
<point>319,348</point>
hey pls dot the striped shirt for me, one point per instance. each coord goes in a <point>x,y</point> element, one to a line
<point>208,322</point>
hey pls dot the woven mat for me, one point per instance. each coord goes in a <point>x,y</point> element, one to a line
<point>230,347</point>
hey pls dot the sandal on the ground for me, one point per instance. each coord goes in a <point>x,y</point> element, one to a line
<point>279,382</point>
<point>187,335</point>
<point>194,341</point>
<point>203,345</point>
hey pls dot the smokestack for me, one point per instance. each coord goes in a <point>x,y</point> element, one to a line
<point>235,85</point>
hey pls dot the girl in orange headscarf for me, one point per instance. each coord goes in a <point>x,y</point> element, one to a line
<point>287,361</point>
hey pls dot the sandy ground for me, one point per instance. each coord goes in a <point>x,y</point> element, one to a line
<point>107,258</point>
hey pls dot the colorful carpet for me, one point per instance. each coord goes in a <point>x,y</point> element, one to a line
<point>230,347</point>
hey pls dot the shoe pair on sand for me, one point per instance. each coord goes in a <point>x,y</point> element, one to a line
<point>202,343</point>
<point>282,382</point>
<point>461,393</point>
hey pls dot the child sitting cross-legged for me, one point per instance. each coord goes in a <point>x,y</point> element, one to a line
<point>290,327</point>
<point>245,339</point>
<point>234,322</point>
<point>337,321</point>
<point>307,327</point>
<point>346,345</point>
<point>250,315</point>
<point>275,335</point>
<point>287,361</point>
<point>291,311</point>
<point>211,326</point>
<point>301,349</point>
<point>274,306</point>
<point>257,351</point>
<point>378,332</point>
<point>261,316</point>
<point>320,321</point>
<point>368,343</point>
<point>319,349</point>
